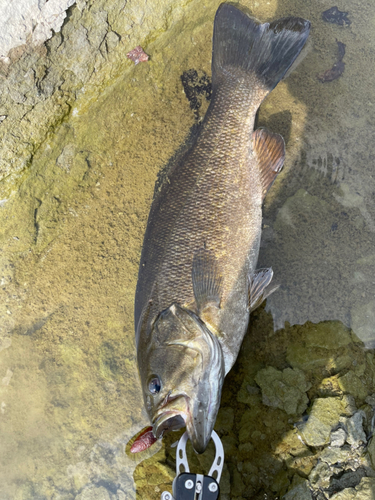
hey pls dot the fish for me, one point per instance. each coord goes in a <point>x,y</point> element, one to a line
<point>197,281</point>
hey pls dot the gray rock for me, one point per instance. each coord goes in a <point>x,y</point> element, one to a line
<point>348,480</point>
<point>338,438</point>
<point>348,494</point>
<point>37,19</point>
<point>333,455</point>
<point>356,435</point>
<point>320,476</point>
<point>300,492</point>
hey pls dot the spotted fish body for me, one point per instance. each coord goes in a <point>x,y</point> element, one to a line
<point>197,279</point>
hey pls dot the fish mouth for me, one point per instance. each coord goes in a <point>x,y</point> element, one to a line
<point>172,416</point>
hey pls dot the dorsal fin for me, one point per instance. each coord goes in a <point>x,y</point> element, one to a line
<point>270,151</point>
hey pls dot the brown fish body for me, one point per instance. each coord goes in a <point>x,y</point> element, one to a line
<point>197,281</point>
<point>213,201</point>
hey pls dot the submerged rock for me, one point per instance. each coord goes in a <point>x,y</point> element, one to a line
<point>338,438</point>
<point>356,435</point>
<point>284,389</point>
<point>300,492</point>
<point>325,415</point>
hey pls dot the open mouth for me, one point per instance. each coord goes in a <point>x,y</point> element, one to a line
<point>169,421</point>
<point>172,418</point>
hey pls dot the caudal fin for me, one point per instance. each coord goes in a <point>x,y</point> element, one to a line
<point>243,46</point>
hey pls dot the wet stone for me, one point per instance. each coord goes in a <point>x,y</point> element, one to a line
<point>325,415</point>
<point>366,489</point>
<point>338,438</point>
<point>300,492</point>
<point>302,464</point>
<point>354,426</point>
<point>335,455</point>
<point>314,432</point>
<point>371,400</point>
<point>371,450</point>
<point>224,421</point>
<point>349,479</point>
<point>329,387</point>
<point>320,476</point>
<point>350,383</point>
<point>348,494</point>
<point>284,389</point>
<point>314,354</point>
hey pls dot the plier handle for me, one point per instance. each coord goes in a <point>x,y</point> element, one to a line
<point>189,486</point>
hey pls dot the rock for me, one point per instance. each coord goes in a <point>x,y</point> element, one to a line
<point>369,400</point>
<point>320,476</point>
<point>371,450</point>
<point>348,494</point>
<point>366,489</point>
<point>281,482</point>
<point>224,421</point>
<point>338,438</point>
<point>332,456</point>
<point>302,464</point>
<point>284,389</point>
<point>319,339</point>
<point>351,384</point>
<point>325,415</point>
<point>300,492</point>
<point>314,432</point>
<point>32,20</point>
<point>329,387</point>
<point>356,435</point>
<point>237,486</point>
<point>348,480</point>
<point>230,444</point>
<point>245,451</point>
<point>291,445</point>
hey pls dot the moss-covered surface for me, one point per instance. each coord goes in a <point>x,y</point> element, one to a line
<point>85,135</point>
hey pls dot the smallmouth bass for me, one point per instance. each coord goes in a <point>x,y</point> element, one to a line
<point>197,280</point>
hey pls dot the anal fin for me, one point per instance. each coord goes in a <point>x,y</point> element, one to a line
<point>259,287</point>
<point>270,151</point>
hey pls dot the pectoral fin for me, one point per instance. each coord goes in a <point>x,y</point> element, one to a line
<point>206,279</point>
<point>259,287</point>
<point>270,151</point>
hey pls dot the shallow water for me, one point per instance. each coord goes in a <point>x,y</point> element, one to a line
<point>71,240</point>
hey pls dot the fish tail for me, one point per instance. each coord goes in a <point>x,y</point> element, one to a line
<point>242,46</point>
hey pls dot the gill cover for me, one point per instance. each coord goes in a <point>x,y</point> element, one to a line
<point>195,369</point>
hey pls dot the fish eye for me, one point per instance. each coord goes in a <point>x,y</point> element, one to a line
<point>154,384</point>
